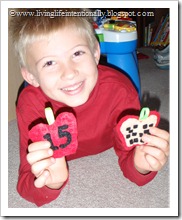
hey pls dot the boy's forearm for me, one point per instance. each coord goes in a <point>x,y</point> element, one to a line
<point>134,175</point>
<point>39,196</point>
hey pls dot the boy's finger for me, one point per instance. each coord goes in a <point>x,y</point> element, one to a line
<point>38,167</point>
<point>157,143</point>
<point>41,180</point>
<point>154,164</point>
<point>159,133</point>
<point>38,146</point>
<point>155,153</point>
<point>36,156</point>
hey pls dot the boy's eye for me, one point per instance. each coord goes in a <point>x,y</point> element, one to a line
<point>78,53</point>
<point>49,63</point>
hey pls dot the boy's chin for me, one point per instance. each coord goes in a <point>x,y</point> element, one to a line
<point>77,103</point>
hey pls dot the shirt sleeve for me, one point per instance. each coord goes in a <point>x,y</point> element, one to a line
<point>126,163</point>
<point>28,191</point>
<point>126,157</point>
<point>25,185</point>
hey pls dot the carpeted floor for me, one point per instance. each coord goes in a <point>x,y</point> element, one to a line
<point>96,181</point>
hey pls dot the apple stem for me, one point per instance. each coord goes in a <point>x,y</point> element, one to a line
<point>144,113</point>
<point>49,115</point>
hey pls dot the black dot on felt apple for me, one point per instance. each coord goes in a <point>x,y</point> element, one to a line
<point>146,132</point>
<point>131,141</point>
<point>141,141</point>
<point>135,126</point>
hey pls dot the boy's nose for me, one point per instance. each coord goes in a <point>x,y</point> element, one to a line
<point>69,73</point>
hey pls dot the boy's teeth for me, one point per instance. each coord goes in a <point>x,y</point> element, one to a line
<point>72,88</point>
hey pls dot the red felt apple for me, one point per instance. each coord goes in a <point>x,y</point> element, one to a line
<point>61,133</point>
<point>131,128</point>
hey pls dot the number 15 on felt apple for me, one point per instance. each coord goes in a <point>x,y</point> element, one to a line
<point>61,133</point>
<point>131,128</point>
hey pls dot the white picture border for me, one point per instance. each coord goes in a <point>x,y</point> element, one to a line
<point>173,209</point>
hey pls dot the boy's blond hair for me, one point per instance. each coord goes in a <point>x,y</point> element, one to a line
<point>29,25</point>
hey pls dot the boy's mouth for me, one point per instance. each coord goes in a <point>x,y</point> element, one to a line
<point>73,89</point>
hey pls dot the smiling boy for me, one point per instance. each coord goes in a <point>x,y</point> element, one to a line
<point>72,58</point>
<point>59,58</point>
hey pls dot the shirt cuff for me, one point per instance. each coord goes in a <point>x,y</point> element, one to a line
<point>134,175</point>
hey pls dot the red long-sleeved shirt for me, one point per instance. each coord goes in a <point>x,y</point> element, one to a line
<point>113,97</point>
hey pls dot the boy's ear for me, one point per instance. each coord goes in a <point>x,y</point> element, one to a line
<point>97,52</point>
<point>29,77</point>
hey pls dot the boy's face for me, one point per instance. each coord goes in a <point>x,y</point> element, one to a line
<point>64,66</point>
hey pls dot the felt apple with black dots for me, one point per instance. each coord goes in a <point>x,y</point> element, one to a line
<point>131,128</point>
<point>61,133</point>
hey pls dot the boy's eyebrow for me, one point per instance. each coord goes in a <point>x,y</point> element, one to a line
<point>79,45</point>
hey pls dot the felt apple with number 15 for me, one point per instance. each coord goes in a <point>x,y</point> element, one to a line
<point>61,133</point>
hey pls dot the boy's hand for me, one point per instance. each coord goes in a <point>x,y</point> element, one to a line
<point>48,171</point>
<point>154,155</point>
